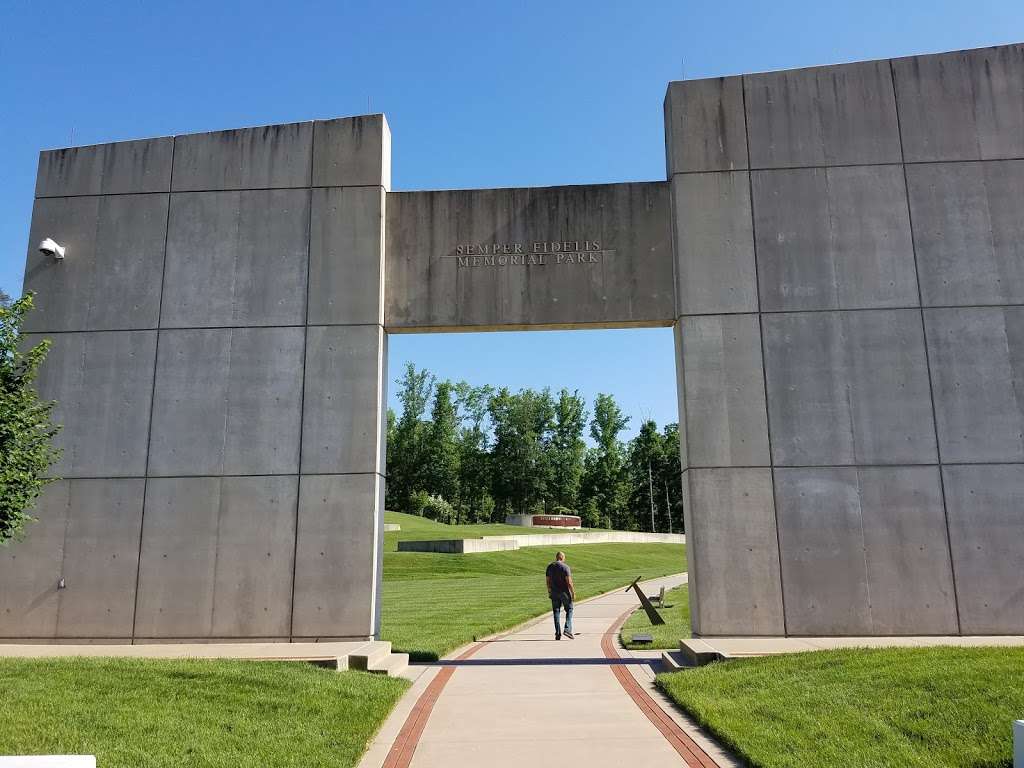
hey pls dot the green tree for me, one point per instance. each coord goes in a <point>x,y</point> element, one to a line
<point>520,462</point>
<point>405,455</point>
<point>605,484</point>
<point>567,448</point>
<point>670,475</point>
<point>475,501</point>
<point>440,447</point>
<point>26,429</point>
<point>645,463</point>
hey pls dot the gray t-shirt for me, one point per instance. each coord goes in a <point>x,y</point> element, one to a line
<point>559,574</point>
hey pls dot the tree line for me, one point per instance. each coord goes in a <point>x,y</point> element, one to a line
<point>462,454</point>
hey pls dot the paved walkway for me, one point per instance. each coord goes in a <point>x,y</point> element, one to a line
<point>524,699</point>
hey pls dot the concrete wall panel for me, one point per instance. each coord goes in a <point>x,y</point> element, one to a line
<point>968,231</point>
<point>31,568</point>
<point>339,540</point>
<point>848,388</point>
<point>714,243</point>
<point>178,558</point>
<point>864,551</point>
<point>248,158</point>
<point>909,571</point>
<point>111,275</point>
<point>704,125</point>
<point>102,383</point>
<point>835,238</point>
<point>236,258</point>
<point>344,398</point>
<point>838,115</point>
<point>101,558</point>
<point>252,580</point>
<point>346,257</point>
<point>823,559</point>
<point>106,169</point>
<point>625,279</point>
<point>352,151</point>
<point>217,557</point>
<point>227,402</point>
<point>986,517</point>
<point>966,105</point>
<point>723,391</point>
<point>732,542</point>
<point>977,359</point>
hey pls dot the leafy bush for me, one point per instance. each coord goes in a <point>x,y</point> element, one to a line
<point>436,508</point>
<point>418,502</point>
<point>26,432</point>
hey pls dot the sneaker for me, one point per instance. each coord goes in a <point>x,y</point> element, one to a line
<point>558,637</point>
<point>570,635</point>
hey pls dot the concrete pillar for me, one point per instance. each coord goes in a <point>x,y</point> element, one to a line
<point>845,238</point>
<point>219,362</point>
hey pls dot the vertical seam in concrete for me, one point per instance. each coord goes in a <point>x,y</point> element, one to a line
<point>63,560</point>
<point>927,356</point>
<point>152,391</point>
<point>764,368</point>
<point>302,389</point>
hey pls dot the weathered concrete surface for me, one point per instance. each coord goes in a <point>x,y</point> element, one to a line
<point>236,258</point>
<point>101,546</point>
<point>227,401</point>
<point>722,391</point>
<point>977,359</point>
<point>106,169</point>
<point>337,585</point>
<point>30,570</point>
<point>838,115</point>
<point>352,152</point>
<point>848,388</point>
<point>834,238</point>
<point>247,158</point>
<point>612,265</point>
<point>112,274</point>
<point>731,532</point>
<point>103,384</point>
<point>346,256</point>
<point>986,515</point>
<point>705,129</point>
<point>864,551</point>
<point>344,411</point>
<point>966,105</point>
<point>714,244</point>
<point>970,210</point>
<point>216,557</point>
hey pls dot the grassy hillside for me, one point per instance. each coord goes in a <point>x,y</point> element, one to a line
<point>433,603</point>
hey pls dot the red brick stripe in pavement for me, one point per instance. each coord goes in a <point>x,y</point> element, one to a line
<point>688,749</point>
<point>401,752</point>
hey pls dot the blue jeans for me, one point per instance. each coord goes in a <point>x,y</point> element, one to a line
<point>558,601</point>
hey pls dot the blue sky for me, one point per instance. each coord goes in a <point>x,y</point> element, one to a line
<point>481,94</point>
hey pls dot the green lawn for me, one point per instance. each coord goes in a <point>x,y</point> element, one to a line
<point>912,707</point>
<point>433,603</point>
<point>677,622</point>
<point>154,713</point>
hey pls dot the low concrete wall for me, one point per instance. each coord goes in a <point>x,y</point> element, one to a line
<point>564,522</point>
<point>391,527</point>
<point>508,543</point>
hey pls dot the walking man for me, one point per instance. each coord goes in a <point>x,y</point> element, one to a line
<point>562,594</point>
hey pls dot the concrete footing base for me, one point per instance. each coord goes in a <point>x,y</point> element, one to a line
<point>697,651</point>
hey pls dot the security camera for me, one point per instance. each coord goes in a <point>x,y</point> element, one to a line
<point>53,248</point>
